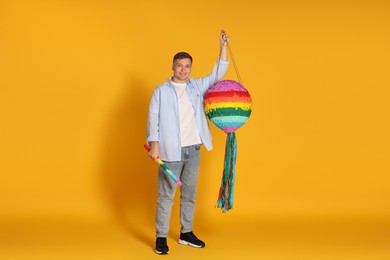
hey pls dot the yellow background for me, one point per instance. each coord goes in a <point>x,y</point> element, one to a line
<point>76,80</point>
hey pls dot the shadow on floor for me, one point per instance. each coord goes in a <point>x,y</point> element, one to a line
<point>128,176</point>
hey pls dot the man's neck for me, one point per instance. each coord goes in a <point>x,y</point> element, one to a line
<point>173,79</point>
<point>177,84</point>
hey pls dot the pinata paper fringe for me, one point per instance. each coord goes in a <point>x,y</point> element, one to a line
<point>226,191</point>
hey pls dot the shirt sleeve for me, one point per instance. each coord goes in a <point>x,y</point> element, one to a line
<point>152,130</point>
<point>219,71</point>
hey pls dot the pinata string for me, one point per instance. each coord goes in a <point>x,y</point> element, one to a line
<point>234,64</point>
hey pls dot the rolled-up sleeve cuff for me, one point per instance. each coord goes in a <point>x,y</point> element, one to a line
<point>152,138</point>
<point>223,62</point>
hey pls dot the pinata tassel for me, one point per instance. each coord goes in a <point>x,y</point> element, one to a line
<point>226,191</point>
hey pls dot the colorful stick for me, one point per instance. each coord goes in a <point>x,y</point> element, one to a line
<point>166,169</point>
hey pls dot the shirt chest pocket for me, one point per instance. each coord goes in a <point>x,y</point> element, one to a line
<point>194,97</point>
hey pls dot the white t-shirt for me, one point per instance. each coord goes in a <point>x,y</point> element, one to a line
<point>188,132</point>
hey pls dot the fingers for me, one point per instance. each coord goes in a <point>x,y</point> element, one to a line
<point>224,36</point>
<point>154,157</point>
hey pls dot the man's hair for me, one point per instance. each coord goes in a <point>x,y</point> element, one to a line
<point>182,55</point>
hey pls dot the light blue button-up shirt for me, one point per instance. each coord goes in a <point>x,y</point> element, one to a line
<point>163,119</point>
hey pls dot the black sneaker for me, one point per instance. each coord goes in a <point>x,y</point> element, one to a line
<point>161,246</point>
<point>190,239</point>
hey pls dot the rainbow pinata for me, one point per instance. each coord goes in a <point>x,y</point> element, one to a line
<point>228,105</point>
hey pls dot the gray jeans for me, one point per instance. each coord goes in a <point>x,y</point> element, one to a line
<point>187,170</point>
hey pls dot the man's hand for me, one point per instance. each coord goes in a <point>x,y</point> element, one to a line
<point>154,152</point>
<point>224,40</point>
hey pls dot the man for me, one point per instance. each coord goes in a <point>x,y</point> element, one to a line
<point>177,126</point>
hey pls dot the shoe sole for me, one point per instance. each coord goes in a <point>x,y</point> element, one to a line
<point>183,242</point>
<point>161,253</point>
